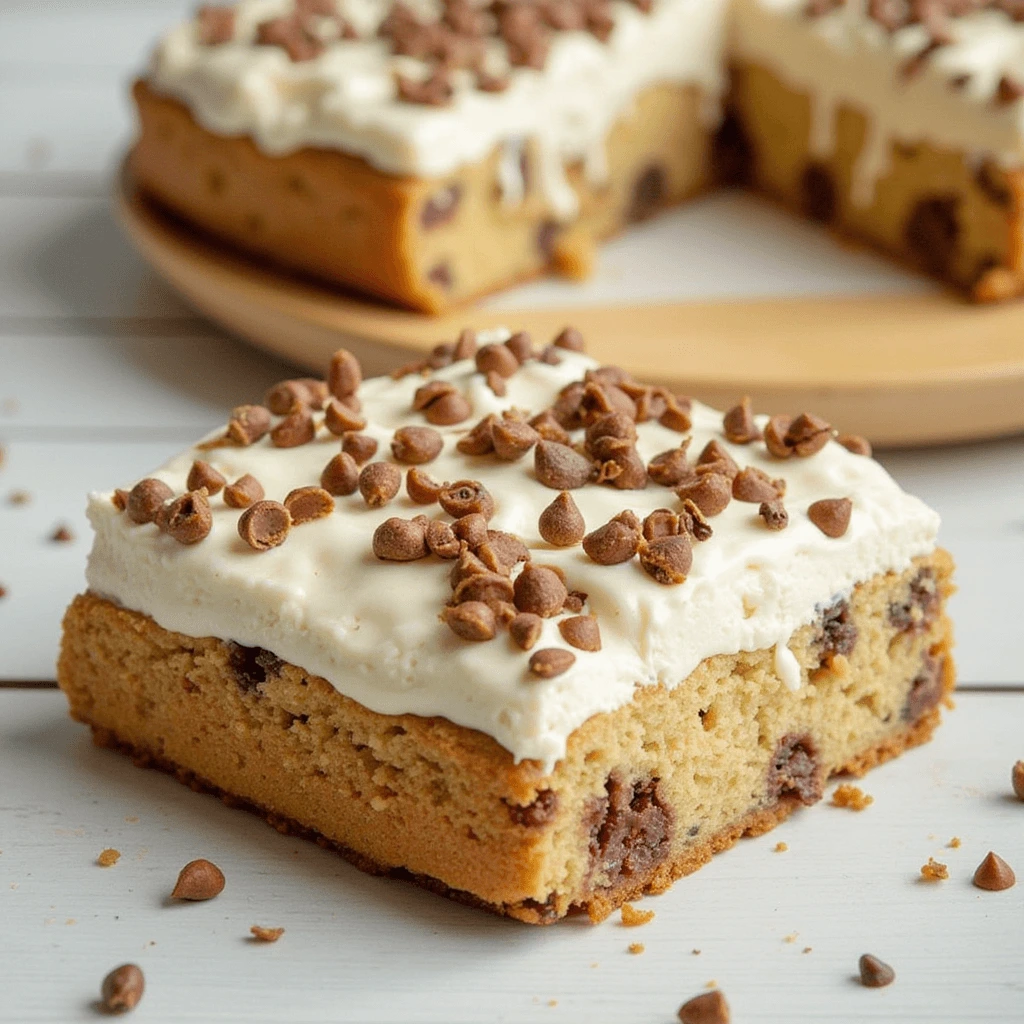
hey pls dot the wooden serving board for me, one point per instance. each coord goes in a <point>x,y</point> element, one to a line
<point>903,363</point>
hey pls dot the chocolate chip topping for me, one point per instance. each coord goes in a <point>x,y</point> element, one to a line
<point>441,540</point>
<point>379,483</point>
<point>492,588</point>
<point>295,429</point>
<point>512,439</point>
<point>541,811</point>
<point>581,632</point>
<point>994,874</point>
<point>187,519</point>
<point>496,383</point>
<point>344,374</point>
<point>570,339</point>
<point>465,497</point>
<point>421,487</point>
<point>874,973</point>
<point>341,419</point>
<point>710,492</point>
<point>264,525</point>
<point>561,523</point>
<point>667,559</point>
<point>340,475</point>
<point>465,345</point>
<point>707,1008</point>
<point>714,458</point>
<point>521,346</point>
<point>560,467</point>
<point>738,423</point>
<point>362,447</point>
<point>671,468</point>
<point>480,440</point>
<point>416,445</point>
<point>774,514</point>
<point>501,551</point>
<point>676,416</point>
<point>401,540</point>
<point>831,515</point>
<point>122,988</point>
<point>549,428</point>
<point>198,880</point>
<point>442,403</point>
<point>756,486</point>
<point>283,397</point>
<point>202,474</point>
<point>243,492</point>
<point>292,34</point>
<point>471,528</point>
<point>525,630</point>
<point>471,620</point>
<point>498,359</point>
<point>617,541</point>
<point>856,444</point>
<point>248,423</point>
<point>216,25</point>
<point>620,464</point>
<point>551,662</point>
<point>539,590</point>
<point>305,504</point>
<point>146,499</point>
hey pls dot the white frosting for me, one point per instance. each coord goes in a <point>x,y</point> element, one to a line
<point>324,602</point>
<point>346,98</point>
<point>847,58</point>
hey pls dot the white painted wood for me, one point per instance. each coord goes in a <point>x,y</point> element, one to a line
<point>369,950</point>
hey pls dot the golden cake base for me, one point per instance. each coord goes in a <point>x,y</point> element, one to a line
<point>902,369</point>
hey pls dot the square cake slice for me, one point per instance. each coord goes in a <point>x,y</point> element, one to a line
<point>512,624</point>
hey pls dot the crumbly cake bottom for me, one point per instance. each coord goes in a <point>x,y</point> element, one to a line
<point>644,795</point>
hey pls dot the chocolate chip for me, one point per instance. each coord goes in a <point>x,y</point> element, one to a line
<point>549,428</point>
<point>198,880</point>
<point>775,436</point>
<point>501,551</point>
<point>344,375</point>
<point>465,345</point>
<point>566,410</point>
<point>818,191</point>
<point>471,620</point>
<point>795,770</point>
<point>379,483</point>
<point>512,439</point>
<point>617,541</point>
<point>551,662</point>
<point>295,429</point>
<point>807,434</point>
<point>618,424</point>
<point>340,475</point>
<point>292,35</point>
<point>932,232</point>
<point>471,528</point>
<point>676,416</point>
<point>711,493</point>
<point>441,540</point>
<point>926,689</point>
<point>441,355</point>
<point>1017,779</point>
<point>282,398</point>
<point>662,522</point>
<point>340,419</point>
<point>696,525</point>
<point>856,444</point>
<point>708,1008</point>
<point>435,91</point>
<point>581,632</point>
<point>560,467</point>
<point>480,440</point>
<point>561,523</point>
<point>570,339</point>
<point>248,423</point>
<point>667,560</point>
<point>831,515</point>
<point>738,423</point>
<point>921,606</point>
<point>774,514</point>
<point>400,540</point>
<point>525,630</point>
<point>717,459</point>
<point>416,445</point>
<point>541,811</point>
<point>549,356</point>
<point>756,486</point>
<point>442,403</point>
<point>62,535</point>
<point>1008,90</point>
<point>264,525</point>
<point>874,973</point>
<point>600,398</point>
<point>465,497</point>
<point>422,488</point>
<point>521,346</point>
<point>122,988</point>
<point>650,193</point>
<point>671,468</point>
<point>620,464</point>
<point>441,207</point>
<point>492,588</point>
<point>497,358</point>
<point>202,474</point>
<point>496,383</point>
<point>994,874</point>
<point>361,447</point>
<point>441,275</point>
<point>187,519</point>
<point>540,590</point>
<point>215,25</point>
<point>991,180</point>
<point>146,499</point>
<point>243,492</point>
<point>305,504</point>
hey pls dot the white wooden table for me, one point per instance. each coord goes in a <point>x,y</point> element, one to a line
<point>103,373</point>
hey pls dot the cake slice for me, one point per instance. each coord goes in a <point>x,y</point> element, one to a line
<point>510,624</point>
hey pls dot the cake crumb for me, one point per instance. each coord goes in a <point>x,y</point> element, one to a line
<point>956,842</point>
<point>781,847</point>
<point>806,949</point>
<point>695,952</point>
<point>261,934</point>
<point>552,1002</point>
<point>595,964</point>
<point>933,871</point>
<point>631,917</point>
<point>71,920</point>
<point>132,819</point>
<point>3,591</point>
<point>636,948</point>
<point>712,984</point>
<point>851,797</point>
<point>791,937</point>
<point>19,498</point>
<point>62,535</point>
<point>108,858</point>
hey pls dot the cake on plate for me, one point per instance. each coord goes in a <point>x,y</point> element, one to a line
<point>430,152</point>
<point>511,624</point>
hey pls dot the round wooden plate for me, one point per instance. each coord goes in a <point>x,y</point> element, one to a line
<point>905,368</point>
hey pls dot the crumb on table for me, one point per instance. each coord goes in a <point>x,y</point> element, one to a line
<point>108,858</point>
<point>933,871</point>
<point>631,917</point>
<point>956,842</point>
<point>781,847</point>
<point>261,934</point>
<point>851,797</point>
<point>636,948</point>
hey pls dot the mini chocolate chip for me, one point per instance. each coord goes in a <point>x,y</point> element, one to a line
<point>856,444</point>
<point>288,394</point>
<point>421,487</point>
<point>471,528</point>
<point>671,468</point>
<point>441,206</point>
<point>264,525</point>
<point>498,358</point>
<point>549,428</point>
<point>450,408</point>
<point>619,464</point>
<point>738,423</point>
<point>561,523</point>
<point>551,662</point>
<point>807,434</point>
<point>774,514</point>
<point>441,540</point>
<point>581,632</point>
<point>501,551</point>
<point>662,522</point>
<point>831,515</point>
<point>540,590</point>
<point>465,346</point>
<point>202,474</point>
<point>709,1008</point>
<point>525,630</point>
<point>471,620</point>
<point>480,440</point>
<point>248,423</point>
<point>668,559</point>
<point>521,346</point>
<point>874,973</point>
<point>295,429</point>
<point>187,519</point>
<point>560,467</point>
<point>549,356</point>
<point>617,541</point>
<point>441,355</point>
<point>693,519</point>
<point>599,399</point>
<point>994,874</point>
<point>711,493</point>
<point>464,497</point>
<point>344,374</point>
<point>198,880</point>
<point>146,499</point>
<point>340,419</point>
<point>416,445</point>
<point>379,483</point>
<point>216,25</point>
<point>340,475</point>
<point>496,383</point>
<point>361,447</point>
<point>119,499</point>
<point>1017,779</point>
<point>492,588</point>
<point>616,424</point>
<point>571,339</point>
<point>754,485</point>
<point>467,565</point>
<point>62,535</point>
<point>715,456</point>
<point>243,492</point>
<point>676,417</point>
<point>566,409</point>
<point>122,988</point>
<point>430,392</point>
<point>400,540</point>
<point>512,439</point>
<point>305,504</point>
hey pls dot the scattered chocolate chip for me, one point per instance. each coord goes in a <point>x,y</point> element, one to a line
<point>874,973</point>
<point>465,345</point>
<point>421,487</point>
<point>416,445</point>
<point>551,662</point>
<point>671,468</point>
<point>341,475</point>
<point>662,522</point>
<point>599,399</point>
<point>617,425</point>
<point>539,590</point>
<point>441,539</point>
<point>775,436</point>
<point>344,374</point>
<point>566,409</point>
<point>305,504</point>
<point>521,346</point>
<point>1008,90</point>
<point>243,492</point>
<point>549,428</point>
<point>715,459</point>
<point>620,464</point>
<point>202,474</point>
<point>471,620</point>
<point>818,192</point>
<point>442,403</point>
<point>119,499</point>
<point>264,525</point>
<point>501,551</point>
<point>340,419</point>
<point>617,541</point>
<point>1017,778</point>
<point>198,880</point>
<point>435,91</point>
<point>379,483</point>
<point>248,423</point>
<point>650,193</point>
<point>807,434</point>
<point>932,232</point>
<point>187,519</point>
<point>493,588</point>
<point>549,356</point>
<point>465,497</point>
<point>708,1008</point>
<point>525,630</point>
<point>676,416</point>
<point>774,514</point>
<point>738,423</point>
<point>480,440</point>
<point>561,523</point>
<point>496,383</point>
<point>62,535</point>
<point>668,559</point>
<point>560,467</point>
<point>570,339</point>
<point>261,934</point>
<point>471,528</point>
<point>215,25</point>
<point>512,439</point>
<point>362,447</point>
<point>756,486</point>
<point>497,358</point>
<point>581,632</point>
<point>795,770</point>
<point>541,811</point>
<point>282,398</point>
<point>711,493</point>
<point>295,429</point>
<point>122,989</point>
<point>467,565</point>
<point>856,444</point>
<point>440,208</point>
<point>693,519</point>
<point>291,34</point>
<point>146,499</point>
<point>401,540</point>
<point>831,515</point>
<point>994,874</point>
